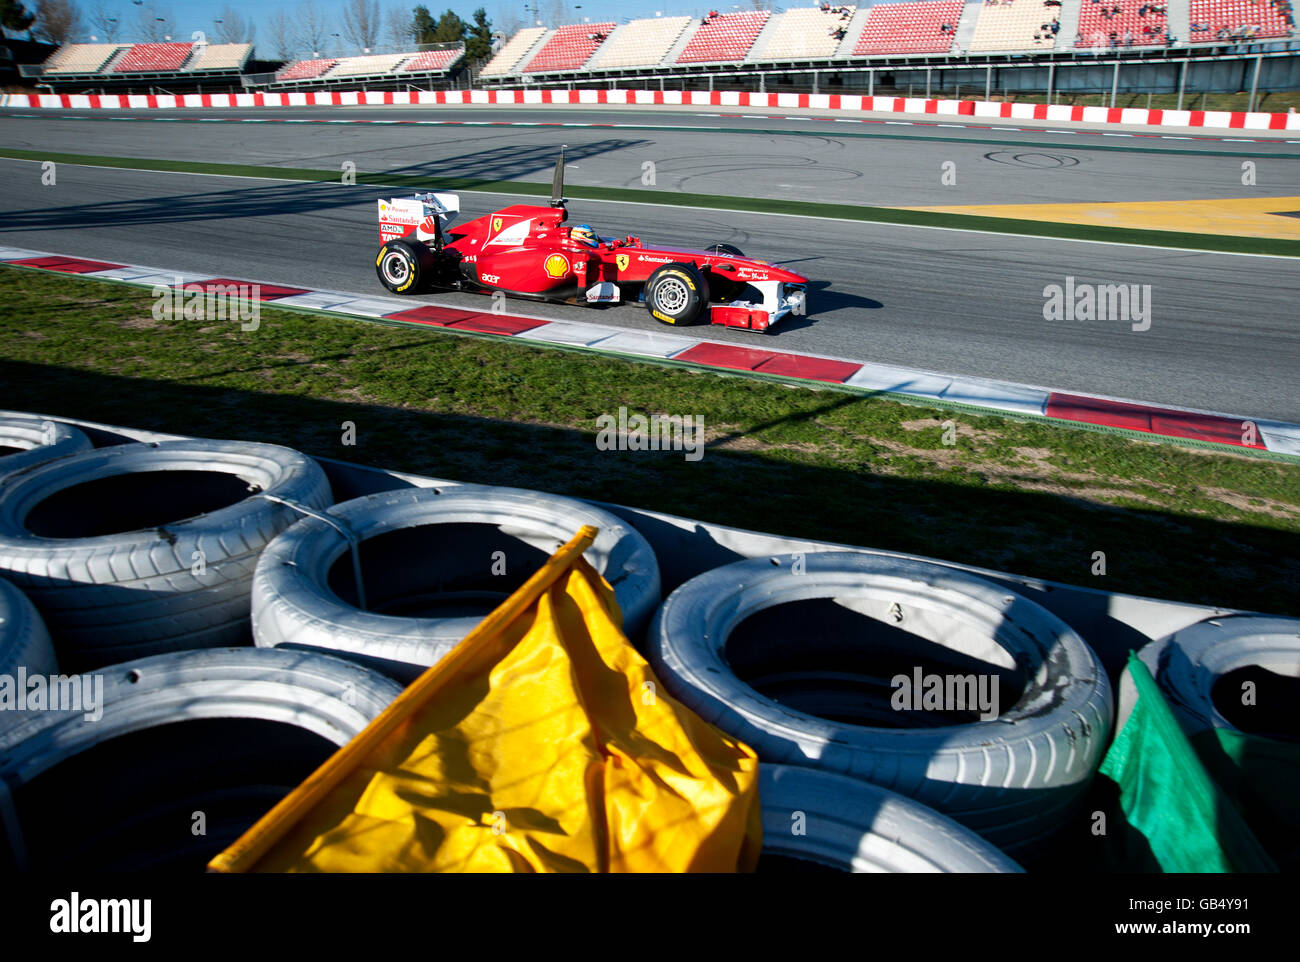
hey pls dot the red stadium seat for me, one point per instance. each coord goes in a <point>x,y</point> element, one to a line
<point>726,37</point>
<point>570,47</point>
<point>910,28</point>
<point>153,58</point>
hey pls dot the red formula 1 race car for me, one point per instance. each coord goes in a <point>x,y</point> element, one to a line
<point>527,252</point>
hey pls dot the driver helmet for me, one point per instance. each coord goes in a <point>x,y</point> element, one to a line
<point>583,234</point>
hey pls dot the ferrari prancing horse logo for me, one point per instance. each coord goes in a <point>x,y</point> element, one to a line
<point>496,225</point>
<point>622,260</point>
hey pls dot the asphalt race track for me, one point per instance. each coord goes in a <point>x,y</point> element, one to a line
<point>1225,329</point>
<point>885,163</point>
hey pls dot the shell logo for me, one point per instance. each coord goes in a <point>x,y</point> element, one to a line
<point>557,265</point>
<point>383,208</point>
<point>496,224</point>
<point>622,260</point>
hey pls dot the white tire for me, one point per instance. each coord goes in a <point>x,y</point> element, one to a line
<point>434,552</point>
<point>24,642</point>
<point>33,440</point>
<point>843,823</point>
<point>1187,663</point>
<point>209,738</point>
<point>1015,779</point>
<point>143,548</point>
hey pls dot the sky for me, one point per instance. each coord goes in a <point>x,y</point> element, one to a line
<point>183,17</point>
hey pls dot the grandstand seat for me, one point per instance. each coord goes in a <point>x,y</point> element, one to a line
<point>153,58</point>
<point>433,60</point>
<point>81,58</point>
<point>640,43</point>
<point>569,47</point>
<point>1015,25</point>
<point>910,28</point>
<point>512,51</point>
<point>1223,21</point>
<point>304,70</point>
<point>1135,25</point>
<point>367,66</point>
<point>806,34</point>
<point>220,56</point>
<point>725,38</point>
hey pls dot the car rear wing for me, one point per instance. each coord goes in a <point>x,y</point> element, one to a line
<point>426,216</point>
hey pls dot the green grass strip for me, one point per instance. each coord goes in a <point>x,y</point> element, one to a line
<point>758,205</point>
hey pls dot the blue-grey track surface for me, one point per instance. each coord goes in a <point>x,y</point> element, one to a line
<point>1225,330</point>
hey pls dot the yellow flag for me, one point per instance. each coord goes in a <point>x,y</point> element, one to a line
<point>547,746</point>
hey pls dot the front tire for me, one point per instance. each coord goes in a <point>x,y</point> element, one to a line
<point>677,294</point>
<point>404,266</point>
<point>725,289</point>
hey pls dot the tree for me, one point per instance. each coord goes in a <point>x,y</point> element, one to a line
<point>401,28</point>
<point>478,43</point>
<point>14,18</point>
<point>313,28</point>
<point>361,22</point>
<point>232,27</point>
<point>422,25</point>
<point>450,29</point>
<point>57,21</point>
<point>284,35</point>
<point>105,25</point>
<point>154,24</point>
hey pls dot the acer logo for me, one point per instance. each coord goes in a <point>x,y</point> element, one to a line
<point>491,278</point>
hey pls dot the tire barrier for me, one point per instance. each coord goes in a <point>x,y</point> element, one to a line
<point>1190,664</point>
<point>800,657</point>
<point>27,440</point>
<point>143,548</point>
<point>816,818</point>
<point>192,747</point>
<point>434,562</point>
<point>24,641</point>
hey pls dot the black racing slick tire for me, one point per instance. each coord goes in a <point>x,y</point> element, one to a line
<point>677,294</point>
<point>404,266</point>
<point>723,288</point>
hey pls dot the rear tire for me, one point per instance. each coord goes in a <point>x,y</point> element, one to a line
<point>677,294</point>
<point>404,266</point>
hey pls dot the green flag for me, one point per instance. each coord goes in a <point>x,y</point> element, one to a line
<point>1174,817</point>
